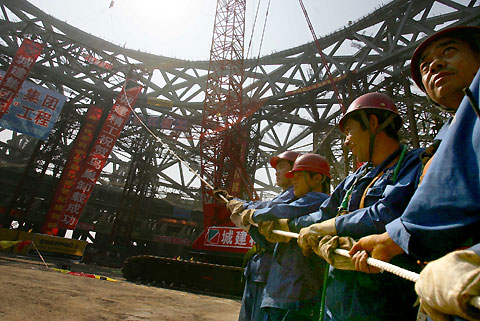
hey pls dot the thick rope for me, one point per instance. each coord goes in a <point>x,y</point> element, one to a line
<point>384,266</point>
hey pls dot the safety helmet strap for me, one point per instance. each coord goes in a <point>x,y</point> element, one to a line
<point>384,125</point>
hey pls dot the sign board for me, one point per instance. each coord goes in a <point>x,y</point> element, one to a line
<point>224,239</point>
<point>71,170</point>
<point>97,158</point>
<point>33,111</point>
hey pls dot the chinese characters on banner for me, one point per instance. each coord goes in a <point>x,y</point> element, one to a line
<point>33,111</point>
<point>102,64</point>
<point>72,167</point>
<point>228,237</point>
<point>96,159</point>
<point>17,72</point>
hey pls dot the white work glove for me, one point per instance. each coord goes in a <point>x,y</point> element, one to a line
<point>310,236</point>
<point>446,286</point>
<point>237,220</point>
<point>266,229</point>
<point>235,206</point>
<point>221,194</point>
<point>326,250</point>
<point>247,217</point>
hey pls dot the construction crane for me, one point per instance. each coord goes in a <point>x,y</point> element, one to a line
<point>224,145</point>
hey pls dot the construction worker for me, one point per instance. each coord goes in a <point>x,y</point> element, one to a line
<point>443,213</point>
<point>364,202</point>
<point>294,282</point>
<point>258,265</point>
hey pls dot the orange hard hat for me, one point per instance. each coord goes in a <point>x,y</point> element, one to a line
<point>373,100</point>
<point>311,163</point>
<point>470,34</point>
<point>288,155</point>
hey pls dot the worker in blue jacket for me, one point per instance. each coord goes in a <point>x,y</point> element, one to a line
<point>258,265</point>
<point>443,214</point>
<point>365,202</point>
<point>294,282</point>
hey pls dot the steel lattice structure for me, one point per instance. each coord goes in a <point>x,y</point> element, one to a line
<point>223,108</point>
<point>287,98</point>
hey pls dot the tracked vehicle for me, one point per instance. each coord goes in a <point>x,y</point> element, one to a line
<point>213,263</point>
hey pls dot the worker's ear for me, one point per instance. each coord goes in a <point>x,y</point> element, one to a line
<point>373,123</point>
<point>319,179</point>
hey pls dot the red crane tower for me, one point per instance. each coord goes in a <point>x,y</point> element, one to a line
<point>223,141</point>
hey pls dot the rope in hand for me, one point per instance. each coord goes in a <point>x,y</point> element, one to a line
<point>384,266</point>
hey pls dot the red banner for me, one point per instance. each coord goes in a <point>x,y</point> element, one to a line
<point>18,71</point>
<point>72,167</point>
<point>78,196</point>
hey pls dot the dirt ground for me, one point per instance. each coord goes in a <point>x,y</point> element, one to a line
<point>30,292</point>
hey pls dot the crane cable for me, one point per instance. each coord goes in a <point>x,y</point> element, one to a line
<point>261,40</point>
<point>166,147</point>
<point>324,60</point>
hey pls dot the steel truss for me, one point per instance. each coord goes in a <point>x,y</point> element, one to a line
<point>369,54</point>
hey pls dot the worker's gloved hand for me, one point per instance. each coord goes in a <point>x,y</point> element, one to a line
<point>310,236</point>
<point>217,191</point>
<point>235,206</point>
<point>266,229</point>
<point>326,250</point>
<point>247,217</point>
<point>237,220</point>
<point>447,285</point>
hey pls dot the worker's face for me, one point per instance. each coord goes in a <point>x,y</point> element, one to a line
<point>301,183</point>
<point>283,166</point>
<point>357,139</point>
<point>447,66</point>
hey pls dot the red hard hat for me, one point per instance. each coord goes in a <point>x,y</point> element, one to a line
<point>288,155</point>
<point>374,100</point>
<point>470,34</point>
<point>310,163</point>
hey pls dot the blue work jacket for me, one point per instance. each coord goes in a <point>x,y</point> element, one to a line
<point>286,196</point>
<point>258,266</point>
<point>444,213</point>
<point>294,281</point>
<point>353,295</point>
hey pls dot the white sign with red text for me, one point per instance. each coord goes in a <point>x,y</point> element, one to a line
<point>228,237</point>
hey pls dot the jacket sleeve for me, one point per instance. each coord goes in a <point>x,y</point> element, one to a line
<point>444,213</point>
<point>327,209</point>
<point>308,203</point>
<point>391,201</point>
<point>260,239</point>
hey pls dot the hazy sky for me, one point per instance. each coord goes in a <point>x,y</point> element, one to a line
<point>184,28</point>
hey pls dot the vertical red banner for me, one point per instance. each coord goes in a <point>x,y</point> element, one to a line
<point>17,72</point>
<point>72,167</point>
<point>82,188</point>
